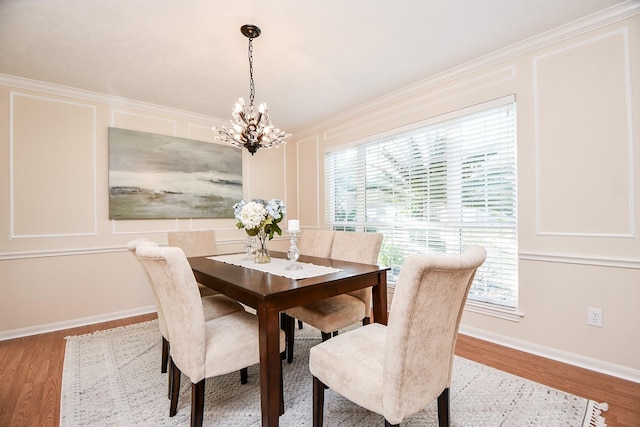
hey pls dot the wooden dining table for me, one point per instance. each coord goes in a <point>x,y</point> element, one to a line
<point>270,294</point>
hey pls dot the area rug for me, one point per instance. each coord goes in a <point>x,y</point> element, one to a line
<point>112,378</point>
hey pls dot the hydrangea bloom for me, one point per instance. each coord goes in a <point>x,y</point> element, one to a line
<point>260,215</point>
<point>252,215</point>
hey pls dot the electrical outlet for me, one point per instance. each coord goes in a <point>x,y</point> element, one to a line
<point>594,317</point>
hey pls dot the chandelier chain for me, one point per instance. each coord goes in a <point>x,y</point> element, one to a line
<point>252,86</point>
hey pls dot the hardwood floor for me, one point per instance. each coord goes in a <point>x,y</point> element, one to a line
<point>623,397</point>
<point>31,376</point>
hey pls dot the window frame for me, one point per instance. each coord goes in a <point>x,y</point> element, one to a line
<point>361,224</point>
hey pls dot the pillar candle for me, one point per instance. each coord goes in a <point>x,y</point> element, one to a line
<point>294,225</point>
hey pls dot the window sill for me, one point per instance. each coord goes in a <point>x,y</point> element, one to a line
<point>492,310</point>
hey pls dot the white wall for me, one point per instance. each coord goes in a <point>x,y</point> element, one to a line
<point>578,116</point>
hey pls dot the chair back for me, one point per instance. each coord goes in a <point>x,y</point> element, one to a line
<point>316,243</point>
<point>359,247</point>
<point>132,246</point>
<point>177,290</point>
<point>355,246</point>
<point>423,327</point>
<point>194,243</point>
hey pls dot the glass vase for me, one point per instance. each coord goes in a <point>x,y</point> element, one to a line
<point>262,253</point>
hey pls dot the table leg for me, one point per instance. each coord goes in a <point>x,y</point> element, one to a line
<point>270,365</point>
<point>379,297</point>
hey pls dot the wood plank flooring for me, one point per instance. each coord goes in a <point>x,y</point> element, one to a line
<point>31,376</point>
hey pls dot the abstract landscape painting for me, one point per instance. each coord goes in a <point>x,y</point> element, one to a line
<point>158,177</point>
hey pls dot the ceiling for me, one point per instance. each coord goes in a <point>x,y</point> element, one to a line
<point>313,60</point>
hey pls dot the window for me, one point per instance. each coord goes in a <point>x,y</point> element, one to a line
<point>436,188</point>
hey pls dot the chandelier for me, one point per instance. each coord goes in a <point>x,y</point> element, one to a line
<point>250,129</point>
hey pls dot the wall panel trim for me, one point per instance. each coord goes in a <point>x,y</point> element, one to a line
<point>581,260</point>
<point>632,226</point>
<point>92,108</point>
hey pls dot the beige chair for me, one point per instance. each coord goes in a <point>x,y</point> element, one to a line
<point>399,369</point>
<point>316,243</point>
<point>195,243</point>
<point>200,348</point>
<point>331,314</point>
<point>213,306</point>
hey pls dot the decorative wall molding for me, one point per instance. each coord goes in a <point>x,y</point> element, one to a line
<point>581,260</point>
<point>631,226</point>
<point>115,113</point>
<point>192,126</point>
<point>411,104</point>
<point>523,256</point>
<point>99,250</point>
<point>313,142</point>
<point>110,100</point>
<point>12,208</point>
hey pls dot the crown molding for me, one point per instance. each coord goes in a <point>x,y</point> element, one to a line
<point>581,26</point>
<point>111,100</point>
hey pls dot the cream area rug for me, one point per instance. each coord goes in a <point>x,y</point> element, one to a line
<point>112,378</point>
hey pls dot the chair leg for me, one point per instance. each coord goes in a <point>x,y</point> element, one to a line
<point>388,424</point>
<point>165,355</point>
<point>244,375</point>
<point>283,326</point>
<point>197,403</point>
<point>281,390</point>
<point>318,402</point>
<point>326,336</point>
<point>299,324</point>
<point>173,375</point>
<point>288,325</point>
<point>443,409</point>
<point>366,321</point>
<point>175,387</point>
<point>170,379</point>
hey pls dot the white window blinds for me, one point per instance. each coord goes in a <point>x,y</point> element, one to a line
<point>447,184</point>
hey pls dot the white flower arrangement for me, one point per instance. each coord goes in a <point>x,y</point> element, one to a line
<point>260,216</point>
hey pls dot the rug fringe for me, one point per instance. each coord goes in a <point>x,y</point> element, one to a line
<point>593,416</point>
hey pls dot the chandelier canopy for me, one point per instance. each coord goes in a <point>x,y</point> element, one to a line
<point>250,129</point>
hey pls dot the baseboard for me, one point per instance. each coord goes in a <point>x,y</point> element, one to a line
<point>554,354</point>
<point>74,323</point>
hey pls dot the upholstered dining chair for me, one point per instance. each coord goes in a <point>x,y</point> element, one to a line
<point>196,243</point>
<point>200,348</point>
<point>213,306</point>
<point>399,369</point>
<point>316,243</point>
<point>331,314</point>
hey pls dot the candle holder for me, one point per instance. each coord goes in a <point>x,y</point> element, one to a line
<point>250,248</point>
<point>293,253</point>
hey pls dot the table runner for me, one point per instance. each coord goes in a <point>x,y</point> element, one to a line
<point>277,266</point>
